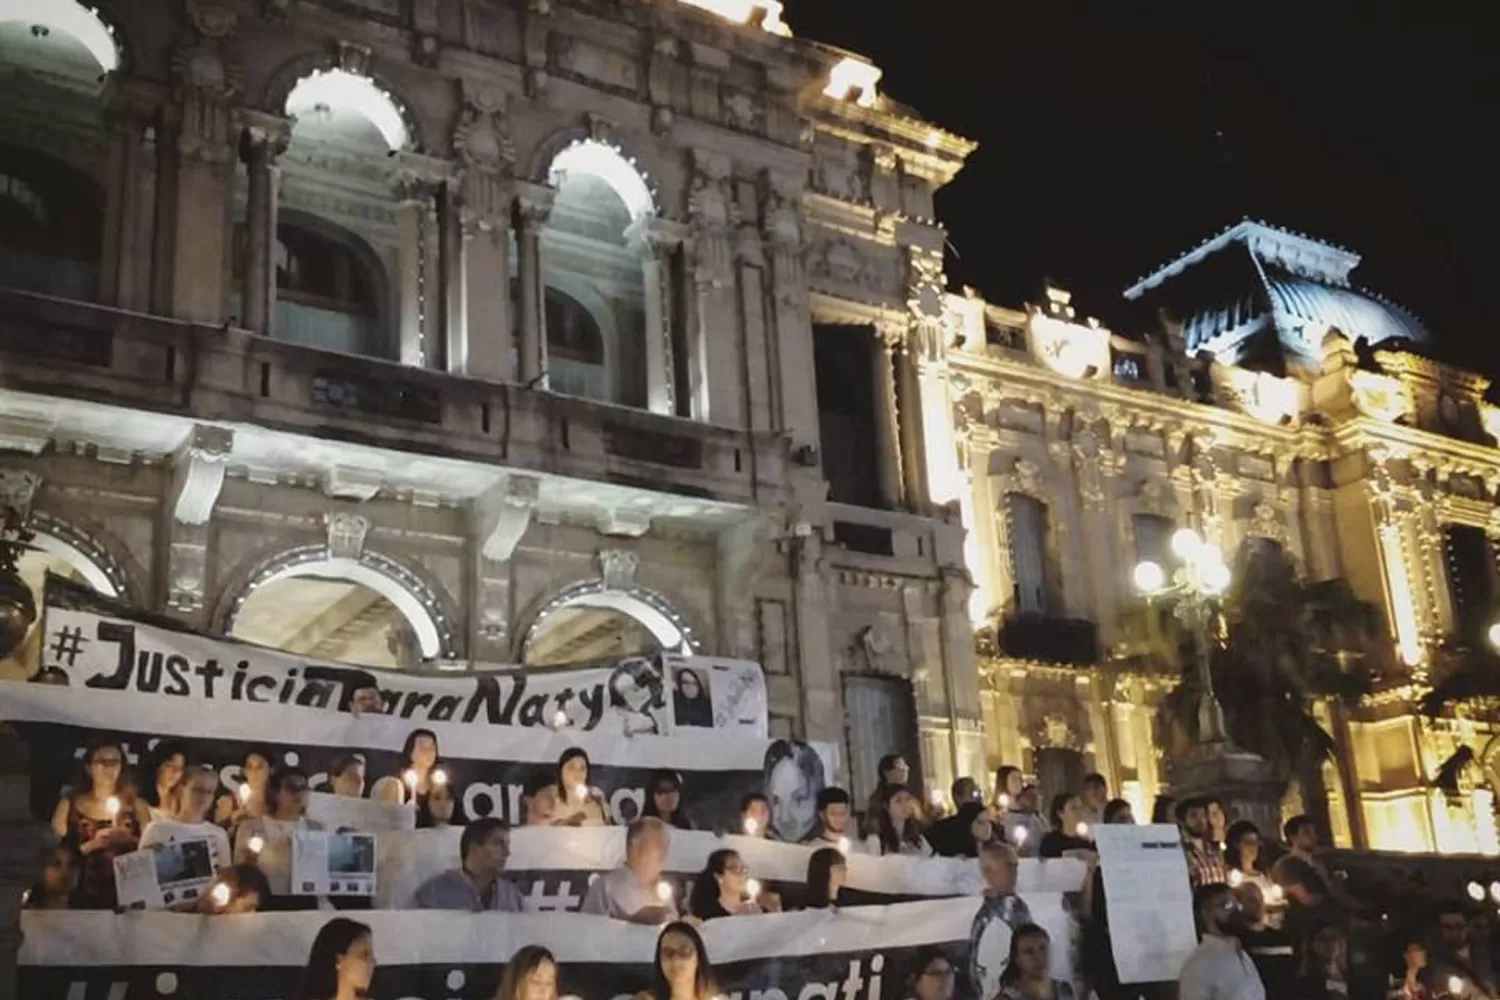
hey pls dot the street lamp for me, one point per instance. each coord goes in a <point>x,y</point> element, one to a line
<point>1196,584</point>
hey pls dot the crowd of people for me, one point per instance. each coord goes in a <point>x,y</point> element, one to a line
<point>1273,921</point>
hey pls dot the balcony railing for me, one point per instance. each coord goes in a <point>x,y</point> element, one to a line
<point>80,351</point>
<point>1073,641</point>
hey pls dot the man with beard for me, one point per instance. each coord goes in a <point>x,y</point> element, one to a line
<point>1205,860</point>
<point>1220,968</point>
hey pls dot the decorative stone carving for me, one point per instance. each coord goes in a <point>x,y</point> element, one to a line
<point>17,490</point>
<point>345,482</point>
<point>1028,476</point>
<point>1054,731</point>
<point>199,473</point>
<point>872,649</point>
<point>1151,497</point>
<point>623,522</point>
<point>1266,521</point>
<point>502,514</point>
<point>346,535</point>
<point>482,137</point>
<point>186,572</point>
<point>617,568</point>
<point>843,261</point>
<point>712,216</point>
<point>924,300</point>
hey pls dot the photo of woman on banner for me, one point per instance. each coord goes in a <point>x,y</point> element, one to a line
<point>794,775</point>
<point>103,817</point>
<point>691,703</point>
<point>636,692</point>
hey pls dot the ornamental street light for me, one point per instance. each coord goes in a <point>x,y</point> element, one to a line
<point>1196,585</point>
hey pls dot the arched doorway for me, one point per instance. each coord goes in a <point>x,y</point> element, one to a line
<point>341,610</point>
<point>591,623</point>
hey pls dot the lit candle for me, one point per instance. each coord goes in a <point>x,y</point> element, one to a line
<point>257,843</point>
<point>112,806</point>
<point>664,891</point>
<point>220,894</point>
<point>1004,801</point>
<point>843,845</point>
<point>244,793</point>
<point>751,827</point>
<point>1236,877</point>
<point>411,777</point>
<point>439,777</point>
<point>1274,895</point>
<point>581,792</point>
<point>559,719</point>
<point>935,796</point>
<point>1455,985</point>
<point>752,888</point>
<point>1495,891</point>
<point>1082,829</point>
<point>1476,891</point>
<point>1020,834</point>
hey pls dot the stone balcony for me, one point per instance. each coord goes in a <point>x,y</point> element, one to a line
<point>884,541</point>
<point>121,367</point>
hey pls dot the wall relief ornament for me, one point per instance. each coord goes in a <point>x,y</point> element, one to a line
<point>346,535</point>
<point>617,568</point>
<point>1267,522</point>
<point>872,649</point>
<point>482,137</point>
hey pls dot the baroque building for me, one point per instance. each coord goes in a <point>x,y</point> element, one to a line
<point>489,331</point>
<point>1278,409</point>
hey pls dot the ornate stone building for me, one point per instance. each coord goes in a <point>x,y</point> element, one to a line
<point>1278,408</point>
<point>489,331</point>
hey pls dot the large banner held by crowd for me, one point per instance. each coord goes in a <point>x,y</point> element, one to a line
<point>99,643</point>
<point>864,953</point>
<point>487,766</point>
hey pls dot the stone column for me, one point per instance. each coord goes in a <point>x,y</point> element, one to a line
<point>197,238</point>
<point>717,364</point>
<point>452,273</point>
<point>910,424</point>
<point>489,351</point>
<point>533,206</point>
<point>129,211</point>
<point>414,181</point>
<point>261,142</point>
<point>655,240</point>
<point>888,452</point>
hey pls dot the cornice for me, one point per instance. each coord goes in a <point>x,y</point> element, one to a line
<point>1365,433</point>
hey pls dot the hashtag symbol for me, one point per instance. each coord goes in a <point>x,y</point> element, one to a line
<point>539,899</point>
<point>68,642</point>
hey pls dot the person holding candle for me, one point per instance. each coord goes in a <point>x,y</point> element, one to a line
<point>347,776</point>
<point>188,804</point>
<point>637,892</point>
<point>167,762</point>
<point>413,779</point>
<point>238,889</point>
<point>1008,784</point>
<point>246,800</point>
<point>1069,831</point>
<point>755,815</point>
<point>103,817</point>
<point>681,970</point>
<point>341,963</point>
<point>441,806</point>
<point>578,804</point>
<point>895,831</point>
<point>725,889</point>
<point>1024,827</point>
<point>832,822</point>
<point>267,840</point>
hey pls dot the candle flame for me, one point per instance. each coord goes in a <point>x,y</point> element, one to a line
<point>112,806</point>
<point>257,844</point>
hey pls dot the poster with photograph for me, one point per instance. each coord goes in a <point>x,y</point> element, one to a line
<point>165,876</point>
<point>333,864</point>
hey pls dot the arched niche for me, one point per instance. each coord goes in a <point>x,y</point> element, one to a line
<point>591,621</point>
<point>51,216</point>
<point>60,42</point>
<point>332,290</point>
<point>371,610</point>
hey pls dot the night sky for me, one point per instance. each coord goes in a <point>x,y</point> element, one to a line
<point>1114,136</point>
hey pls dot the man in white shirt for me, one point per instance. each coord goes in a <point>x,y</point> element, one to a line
<point>637,892</point>
<point>1220,968</point>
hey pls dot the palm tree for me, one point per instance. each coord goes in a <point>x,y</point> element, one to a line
<point>1280,644</point>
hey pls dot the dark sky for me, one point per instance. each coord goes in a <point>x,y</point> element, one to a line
<point>1114,136</point>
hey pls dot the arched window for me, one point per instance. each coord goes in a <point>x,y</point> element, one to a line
<point>1032,577</point>
<point>49,226</point>
<point>575,349</point>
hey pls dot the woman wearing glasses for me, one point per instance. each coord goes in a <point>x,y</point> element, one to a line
<point>724,888</point>
<point>102,816</point>
<point>266,841</point>
<point>932,975</point>
<point>681,970</point>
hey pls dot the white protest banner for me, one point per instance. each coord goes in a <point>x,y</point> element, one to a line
<point>1148,899</point>
<point>551,866</point>
<point>710,692</point>
<point>325,863</point>
<point>99,643</point>
<point>860,953</point>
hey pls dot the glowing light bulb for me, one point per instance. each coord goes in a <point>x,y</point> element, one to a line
<point>1020,833</point>
<point>112,806</point>
<point>1149,577</point>
<point>220,894</point>
<point>257,843</point>
<point>1082,829</point>
<point>751,827</point>
<point>1186,543</point>
<point>1004,801</point>
<point>244,794</point>
<point>439,777</point>
<point>1495,891</point>
<point>1476,891</point>
<point>1236,878</point>
<point>843,845</point>
<point>664,891</point>
<point>559,719</point>
<point>752,888</point>
<point>1216,577</point>
<point>411,777</point>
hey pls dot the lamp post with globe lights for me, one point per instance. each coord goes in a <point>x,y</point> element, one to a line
<point>1195,586</point>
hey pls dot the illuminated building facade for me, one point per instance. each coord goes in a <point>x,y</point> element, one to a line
<point>1250,416</point>
<point>489,331</point>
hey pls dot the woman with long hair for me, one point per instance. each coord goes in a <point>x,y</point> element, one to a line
<point>794,776</point>
<point>690,702</point>
<point>1069,832</point>
<point>721,888</point>
<point>1242,855</point>
<point>664,799</point>
<point>102,816</point>
<point>894,827</point>
<point>1164,810</point>
<point>681,970</point>
<point>827,871</point>
<point>341,963</point>
<point>247,799</point>
<point>932,975</point>
<point>531,974</point>
<point>415,774</point>
<point>167,762</point>
<point>266,841</point>
<point>1008,784</point>
<point>1028,969</point>
<point>578,802</point>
